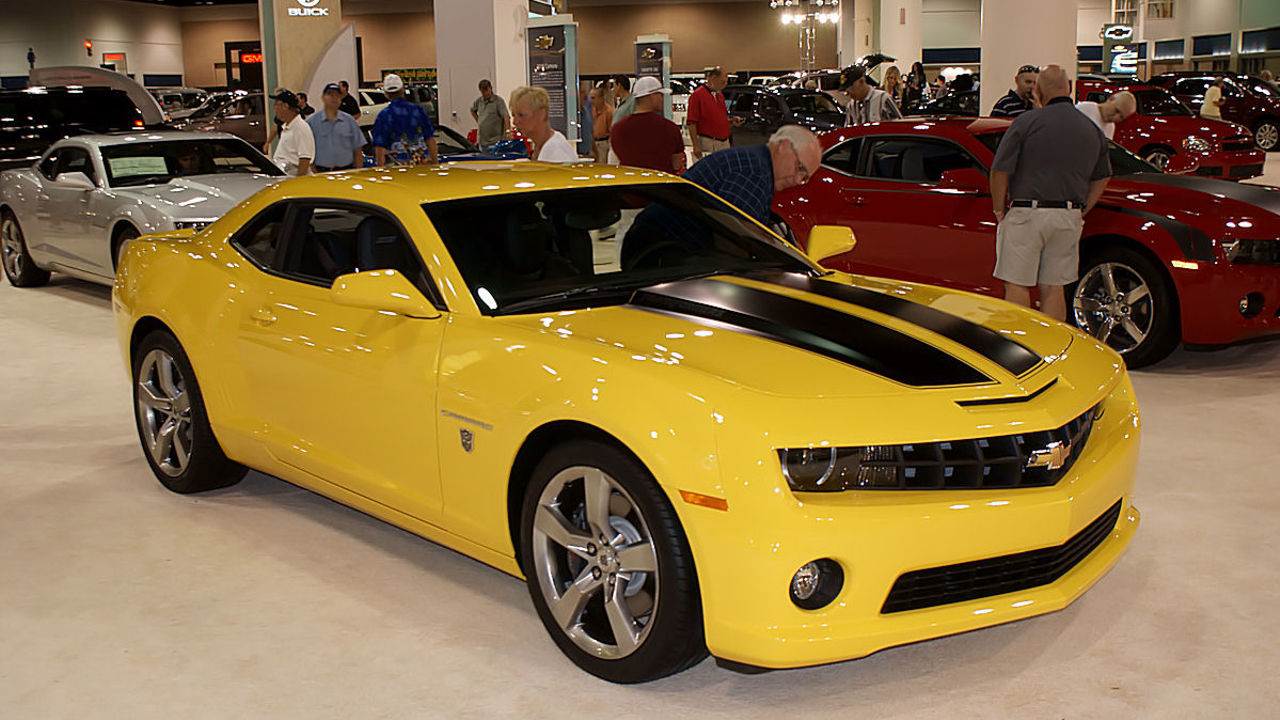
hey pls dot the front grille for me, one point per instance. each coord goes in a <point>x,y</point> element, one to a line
<point>1211,171</point>
<point>1246,171</point>
<point>1238,142</point>
<point>997,576</point>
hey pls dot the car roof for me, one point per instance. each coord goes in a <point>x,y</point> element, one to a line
<point>473,179</point>
<point>129,137</point>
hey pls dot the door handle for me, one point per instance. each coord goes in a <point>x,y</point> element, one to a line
<point>852,197</point>
<point>264,316</point>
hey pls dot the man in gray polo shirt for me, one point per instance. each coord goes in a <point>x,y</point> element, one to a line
<point>1052,166</point>
<point>491,116</point>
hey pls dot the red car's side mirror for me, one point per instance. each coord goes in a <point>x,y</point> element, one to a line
<point>965,180</point>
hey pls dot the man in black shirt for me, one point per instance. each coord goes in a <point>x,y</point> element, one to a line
<point>1018,100</point>
<point>349,104</point>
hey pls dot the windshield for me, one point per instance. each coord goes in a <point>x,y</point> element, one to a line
<point>449,142</point>
<point>156,163</point>
<point>376,97</point>
<point>1260,87</point>
<point>561,249</point>
<point>1123,162</point>
<point>1159,102</point>
<point>811,103</point>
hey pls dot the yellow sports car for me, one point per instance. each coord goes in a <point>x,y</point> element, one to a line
<point>685,434</point>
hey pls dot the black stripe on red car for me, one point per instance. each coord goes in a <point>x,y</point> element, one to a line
<point>1195,245</point>
<point>1008,354</point>
<point>815,328</point>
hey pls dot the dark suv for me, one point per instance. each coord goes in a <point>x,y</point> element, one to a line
<point>764,110</point>
<point>1250,101</point>
<point>32,120</point>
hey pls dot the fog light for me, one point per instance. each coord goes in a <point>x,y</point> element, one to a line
<point>816,584</point>
<point>1251,304</point>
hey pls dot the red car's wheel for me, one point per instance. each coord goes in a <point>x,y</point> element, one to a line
<point>1126,301</point>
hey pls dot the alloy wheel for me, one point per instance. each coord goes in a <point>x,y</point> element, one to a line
<point>1267,136</point>
<point>11,246</point>
<point>164,409</point>
<point>1114,304</point>
<point>1159,158</point>
<point>595,562</point>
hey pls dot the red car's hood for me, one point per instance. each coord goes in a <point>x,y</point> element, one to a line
<point>1204,203</point>
<point>1183,126</point>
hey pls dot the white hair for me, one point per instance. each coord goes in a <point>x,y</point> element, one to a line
<point>1125,102</point>
<point>799,137</point>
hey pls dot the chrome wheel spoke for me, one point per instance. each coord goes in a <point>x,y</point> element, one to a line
<point>1132,328</point>
<point>150,400</point>
<point>625,633</point>
<point>1109,279</point>
<point>550,522</point>
<point>568,608</point>
<point>1136,294</point>
<point>1104,331</point>
<point>638,558</point>
<point>164,371</point>
<point>1088,304</point>
<point>598,492</point>
<point>164,440</point>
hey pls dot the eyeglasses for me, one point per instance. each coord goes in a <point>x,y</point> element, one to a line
<point>802,172</point>
<point>1028,69</point>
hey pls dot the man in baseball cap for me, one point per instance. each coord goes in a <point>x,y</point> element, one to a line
<point>403,134</point>
<point>645,138</point>
<point>867,104</point>
<point>296,147</point>
<point>339,139</point>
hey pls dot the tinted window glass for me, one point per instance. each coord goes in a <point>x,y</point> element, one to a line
<point>160,162</point>
<point>772,109</point>
<point>557,249</point>
<point>49,165</point>
<point>260,239</point>
<point>744,103</point>
<point>72,159</point>
<point>1191,86</point>
<point>94,109</point>
<point>335,241</point>
<point>1123,162</point>
<point>916,160</point>
<point>811,103</point>
<point>844,157</point>
<point>1261,87</point>
<point>1159,102</point>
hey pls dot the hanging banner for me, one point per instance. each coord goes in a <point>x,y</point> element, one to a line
<point>548,70</point>
<point>653,59</point>
<point>1119,50</point>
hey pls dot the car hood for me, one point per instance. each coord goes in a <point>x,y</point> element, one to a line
<point>787,334</point>
<point>201,195</point>
<point>1186,125</point>
<point>1191,195</point>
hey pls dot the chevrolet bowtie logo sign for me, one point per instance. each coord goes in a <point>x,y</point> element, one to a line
<point>1118,32</point>
<point>1052,457</point>
<point>309,9</point>
<point>544,42</point>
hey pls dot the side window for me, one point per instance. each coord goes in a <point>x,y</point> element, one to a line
<point>772,109</point>
<point>1191,86</point>
<point>744,103</point>
<point>844,157</point>
<point>334,241</point>
<point>73,159</point>
<point>49,165</point>
<point>1096,97</point>
<point>260,239</point>
<point>1230,89</point>
<point>915,160</point>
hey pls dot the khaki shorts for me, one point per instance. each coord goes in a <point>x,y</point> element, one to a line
<point>601,148</point>
<point>1039,246</point>
<point>709,145</point>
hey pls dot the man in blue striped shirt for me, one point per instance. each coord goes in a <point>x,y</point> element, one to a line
<point>1018,100</point>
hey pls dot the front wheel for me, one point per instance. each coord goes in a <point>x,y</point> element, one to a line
<point>18,265</point>
<point>1267,134</point>
<point>609,569</point>
<point>1127,302</point>
<point>1159,157</point>
<point>177,439</point>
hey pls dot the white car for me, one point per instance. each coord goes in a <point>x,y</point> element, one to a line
<point>74,210</point>
<point>372,102</point>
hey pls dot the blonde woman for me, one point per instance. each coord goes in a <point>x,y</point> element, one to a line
<point>893,83</point>
<point>529,115</point>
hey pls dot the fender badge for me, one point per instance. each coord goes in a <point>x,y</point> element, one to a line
<point>468,439</point>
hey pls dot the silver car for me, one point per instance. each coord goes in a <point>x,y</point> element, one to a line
<point>75,208</point>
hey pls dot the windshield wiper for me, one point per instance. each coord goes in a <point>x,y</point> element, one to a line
<point>537,301</point>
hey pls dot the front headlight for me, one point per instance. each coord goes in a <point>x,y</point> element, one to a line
<point>836,469</point>
<point>1196,144</point>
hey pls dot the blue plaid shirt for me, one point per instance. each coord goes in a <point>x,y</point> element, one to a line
<point>403,129</point>
<point>742,175</point>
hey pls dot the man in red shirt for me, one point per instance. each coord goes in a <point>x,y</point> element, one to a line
<point>645,138</point>
<point>707,116</point>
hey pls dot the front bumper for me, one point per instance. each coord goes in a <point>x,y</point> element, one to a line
<point>1230,164</point>
<point>745,565</point>
<point>1209,298</point>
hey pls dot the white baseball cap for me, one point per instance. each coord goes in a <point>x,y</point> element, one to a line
<point>648,86</point>
<point>392,83</point>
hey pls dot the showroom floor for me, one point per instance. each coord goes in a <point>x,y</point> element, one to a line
<point>121,600</point>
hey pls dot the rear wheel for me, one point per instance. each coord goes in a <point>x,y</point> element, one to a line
<point>177,439</point>
<point>1267,134</point>
<point>608,566</point>
<point>1127,302</point>
<point>18,265</point>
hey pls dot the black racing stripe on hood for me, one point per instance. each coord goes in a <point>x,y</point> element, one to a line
<point>1195,245</point>
<point>1008,354</point>
<point>1262,196</point>
<point>816,328</point>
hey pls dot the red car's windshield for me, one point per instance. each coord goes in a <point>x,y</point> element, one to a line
<point>1123,162</point>
<point>1159,102</point>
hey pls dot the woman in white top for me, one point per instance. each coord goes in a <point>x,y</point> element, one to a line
<point>529,115</point>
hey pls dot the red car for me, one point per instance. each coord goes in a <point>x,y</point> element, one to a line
<point>1164,258</point>
<point>1164,131</point>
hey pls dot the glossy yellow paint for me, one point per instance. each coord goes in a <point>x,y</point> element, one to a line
<point>368,407</point>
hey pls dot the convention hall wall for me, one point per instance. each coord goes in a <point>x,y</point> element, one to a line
<point>150,37</point>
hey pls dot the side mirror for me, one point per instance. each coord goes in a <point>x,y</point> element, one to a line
<point>827,241</point>
<point>77,180</point>
<point>1182,164</point>
<point>968,180</point>
<point>384,291</point>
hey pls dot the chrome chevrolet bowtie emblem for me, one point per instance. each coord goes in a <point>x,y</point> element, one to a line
<point>468,439</point>
<point>1052,457</point>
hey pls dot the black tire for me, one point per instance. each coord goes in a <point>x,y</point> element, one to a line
<point>1158,156</point>
<point>1266,134</point>
<point>21,270</point>
<point>156,407</point>
<point>669,634</point>
<point>1153,314</point>
<point>124,235</point>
